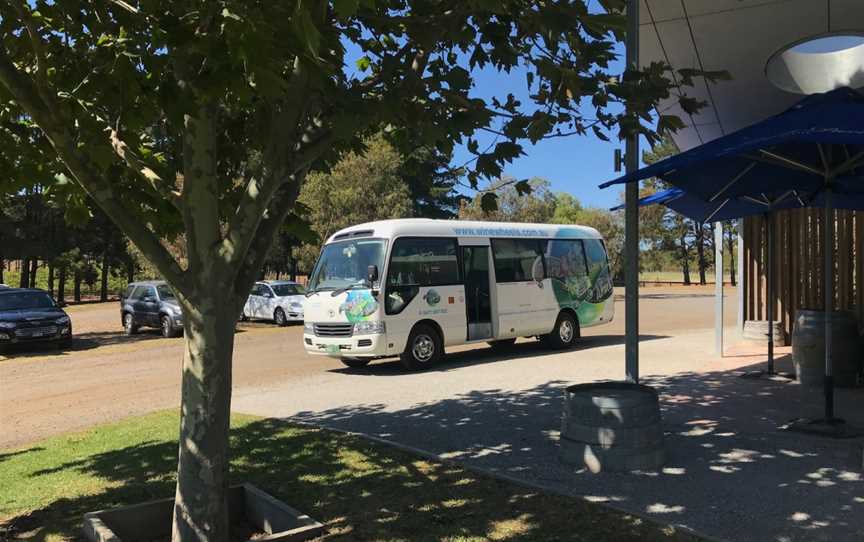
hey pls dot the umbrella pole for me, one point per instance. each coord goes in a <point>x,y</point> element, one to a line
<point>769,261</point>
<point>829,303</point>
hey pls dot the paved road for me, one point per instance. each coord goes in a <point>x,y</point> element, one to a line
<point>106,376</point>
<point>730,473</point>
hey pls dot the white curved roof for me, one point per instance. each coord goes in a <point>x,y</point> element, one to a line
<point>427,227</point>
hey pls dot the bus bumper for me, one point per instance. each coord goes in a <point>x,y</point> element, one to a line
<point>358,346</point>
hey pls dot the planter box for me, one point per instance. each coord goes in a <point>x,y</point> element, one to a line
<point>246,503</point>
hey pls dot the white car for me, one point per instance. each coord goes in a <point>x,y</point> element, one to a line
<point>278,300</point>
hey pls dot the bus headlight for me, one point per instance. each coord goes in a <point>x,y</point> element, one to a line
<point>370,327</point>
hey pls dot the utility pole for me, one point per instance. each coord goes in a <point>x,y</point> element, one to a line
<point>631,216</point>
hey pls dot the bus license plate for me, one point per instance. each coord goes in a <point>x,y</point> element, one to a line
<point>332,348</point>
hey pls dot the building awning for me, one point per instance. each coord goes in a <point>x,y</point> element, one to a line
<point>738,36</point>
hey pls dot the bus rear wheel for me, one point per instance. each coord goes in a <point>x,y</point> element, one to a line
<point>425,348</point>
<point>564,334</point>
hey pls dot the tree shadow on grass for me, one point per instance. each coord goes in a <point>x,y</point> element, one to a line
<point>361,490</point>
<point>7,455</point>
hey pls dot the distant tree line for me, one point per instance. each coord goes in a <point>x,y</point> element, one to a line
<point>670,240</point>
<point>36,234</point>
<point>374,182</point>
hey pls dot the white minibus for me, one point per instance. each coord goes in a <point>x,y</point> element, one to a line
<point>412,287</point>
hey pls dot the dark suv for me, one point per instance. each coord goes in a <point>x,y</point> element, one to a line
<point>30,315</point>
<point>151,304</point>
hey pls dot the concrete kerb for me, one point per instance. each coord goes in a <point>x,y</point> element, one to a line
<point>494,474</point>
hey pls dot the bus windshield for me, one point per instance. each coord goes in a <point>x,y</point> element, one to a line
<point>346,263</point>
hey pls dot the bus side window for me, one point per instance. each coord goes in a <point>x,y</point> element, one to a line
<point>598,268</point>
<point>565,259</point>
<point>516,260</point>
<point>417,263</point>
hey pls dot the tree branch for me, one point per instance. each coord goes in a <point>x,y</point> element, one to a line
<point>85,174</point>
<point>258,194</point>
<point>41,79</point>
<point>154,181</point>
<point>279,208</point>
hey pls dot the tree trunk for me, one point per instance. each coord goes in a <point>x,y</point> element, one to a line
<point>103,287</point>
<point>24,279</point>
<point>34,268</point>
<point>700,251</point>
<point>61,285</point>
<point>294,269</point>
<point>201,507</point>
<point>77,286</point>
<point>130,271</point>
<point>685,259</point>
<point>2,269</point>
<point>51,278</point>
<point>732,275</point>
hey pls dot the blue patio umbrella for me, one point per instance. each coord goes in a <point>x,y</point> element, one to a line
<point>799,158</point>
<point>695,208</point>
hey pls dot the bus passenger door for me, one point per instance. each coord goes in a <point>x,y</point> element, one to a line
<point>478,301</point>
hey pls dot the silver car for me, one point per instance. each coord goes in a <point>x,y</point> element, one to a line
<point>280,301</point>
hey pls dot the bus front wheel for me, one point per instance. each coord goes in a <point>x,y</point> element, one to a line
<point>424,348</point>
<point>564,334</point>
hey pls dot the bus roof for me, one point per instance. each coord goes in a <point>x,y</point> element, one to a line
<point>427,227</point>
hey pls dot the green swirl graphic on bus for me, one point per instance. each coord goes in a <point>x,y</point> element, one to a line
<point>358,305</point>
<point>432,298</point>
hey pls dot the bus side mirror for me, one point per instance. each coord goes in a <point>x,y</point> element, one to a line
<point>372,277</point>
<point>537,271</point>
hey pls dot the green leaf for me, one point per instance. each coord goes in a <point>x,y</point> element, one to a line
<point>226,13</point>
<point>305,30</point>
<point>364,63</point>
<point>523,187</point>
<point>508,150</point>
<point>345,8</point>
<point>459,78</point>
<point>690,105</point>
<point>489,202</point>
<point>669,123</point>
<point>599,133</point>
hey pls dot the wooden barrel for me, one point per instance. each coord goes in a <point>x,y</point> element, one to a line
<point>612,426</point>
<point>757,330</point>
<point>808,347</point>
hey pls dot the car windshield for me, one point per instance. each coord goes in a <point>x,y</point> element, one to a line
<point>345,263</point>
<point>26,300</point>
<point>282,290</point>
<point>165,292</point>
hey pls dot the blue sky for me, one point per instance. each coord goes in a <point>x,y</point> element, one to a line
<point>574,164</point>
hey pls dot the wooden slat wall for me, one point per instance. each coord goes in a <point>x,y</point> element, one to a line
<point>797,253</point>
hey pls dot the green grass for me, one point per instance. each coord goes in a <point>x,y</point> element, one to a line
<point>361,490</point>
